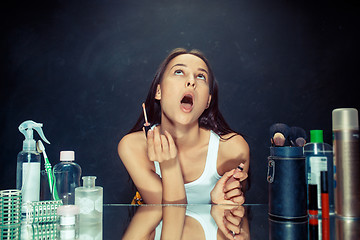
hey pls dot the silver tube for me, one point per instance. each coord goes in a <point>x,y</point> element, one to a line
<point>346,162</point>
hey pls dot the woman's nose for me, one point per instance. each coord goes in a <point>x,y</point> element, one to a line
<point>191,83</point>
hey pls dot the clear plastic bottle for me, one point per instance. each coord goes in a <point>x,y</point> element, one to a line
<point>28,163</point>
<point>67,175</point>
<point>28,174</point>
<point>319,157</point>
<point>90,200</point>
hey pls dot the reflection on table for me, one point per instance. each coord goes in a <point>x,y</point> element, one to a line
<point>199,221</point>
<point>188,222</point>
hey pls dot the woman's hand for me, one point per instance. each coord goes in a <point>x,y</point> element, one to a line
<point>228,189</point>
<point>231,221</point>
<point>160,147</point>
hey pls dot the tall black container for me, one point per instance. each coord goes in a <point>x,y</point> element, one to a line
<point>287,184</point>
<point>283,230</point>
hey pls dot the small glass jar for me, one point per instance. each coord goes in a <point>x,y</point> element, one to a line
<point>68,221</point>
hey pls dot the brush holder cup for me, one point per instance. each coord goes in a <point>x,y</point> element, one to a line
<point>287,184</point>
<point>294,230</point>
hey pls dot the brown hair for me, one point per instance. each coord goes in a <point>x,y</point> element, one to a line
<point>210,119</point>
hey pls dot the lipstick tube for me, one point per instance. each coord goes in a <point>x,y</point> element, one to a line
<point>313,206</point>
<point>325,206</point>
<point>313,228</point>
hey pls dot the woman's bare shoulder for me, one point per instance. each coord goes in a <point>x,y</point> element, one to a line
<point>235,143</point>
<point>232,152</point>
<point>132,145</point>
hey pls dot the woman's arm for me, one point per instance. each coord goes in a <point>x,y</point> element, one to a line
<point>162,148</point>
<point>144,222</point>
<point>173,221</point>
<point>233,152</point>
<point>132,150</point>
<point>138,155</point>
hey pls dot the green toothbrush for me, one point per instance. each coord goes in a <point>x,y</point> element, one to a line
<point>41,149</point>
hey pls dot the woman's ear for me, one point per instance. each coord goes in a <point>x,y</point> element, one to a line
<point>158,92</point>
<point>208,103</point>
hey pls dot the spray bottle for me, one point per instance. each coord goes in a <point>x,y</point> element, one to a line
<point>346,146</point>
<point>28,163</point>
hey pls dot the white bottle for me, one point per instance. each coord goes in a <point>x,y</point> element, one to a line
<point>90,200</point>
<point>28,163</point>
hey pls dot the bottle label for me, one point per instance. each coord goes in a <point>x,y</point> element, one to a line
<point>317,164</point>
<point>67,220</point>
<point>30,182</point>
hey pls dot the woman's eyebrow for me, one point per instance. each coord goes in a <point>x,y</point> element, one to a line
<point>203,70</point>
<point>178,64</point>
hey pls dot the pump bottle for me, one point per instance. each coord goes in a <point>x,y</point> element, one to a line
<point>28,163</point>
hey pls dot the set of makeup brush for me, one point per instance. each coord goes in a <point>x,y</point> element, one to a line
<point>282,135</point>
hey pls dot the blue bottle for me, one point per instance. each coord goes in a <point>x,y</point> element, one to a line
<point>67,175</point>
<point>319,157</point>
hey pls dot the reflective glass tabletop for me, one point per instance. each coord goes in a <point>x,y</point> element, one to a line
<point>192,221</point>
<point>216,222</point>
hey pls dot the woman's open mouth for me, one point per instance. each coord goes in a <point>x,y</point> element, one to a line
<point>187,103</point>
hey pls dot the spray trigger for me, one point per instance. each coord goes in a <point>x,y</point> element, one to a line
<point>26,128</point>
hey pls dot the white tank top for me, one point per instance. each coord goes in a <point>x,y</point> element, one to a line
<point>199,190</point>
<point>202,214</point>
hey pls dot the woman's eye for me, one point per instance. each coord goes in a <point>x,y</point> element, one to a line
<point>179,72</point>
<point>201,76</point>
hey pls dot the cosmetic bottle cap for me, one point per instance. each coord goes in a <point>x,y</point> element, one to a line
<point>67,156</point>
<point>27,128</point>
<point>68,214</point>
<point>345,119</point>
<point>316,136</point>
<point>68,210</point>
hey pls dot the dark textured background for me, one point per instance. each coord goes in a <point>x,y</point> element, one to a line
<point>83,68</point>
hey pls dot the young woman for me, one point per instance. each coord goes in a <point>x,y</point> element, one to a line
<point>190,155</point>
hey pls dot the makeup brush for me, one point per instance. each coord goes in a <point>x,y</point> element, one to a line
<point>297,137</point>
<point>147,125</point>
<point>279,133</point>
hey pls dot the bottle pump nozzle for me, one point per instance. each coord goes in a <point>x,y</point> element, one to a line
<point>26,128</point>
